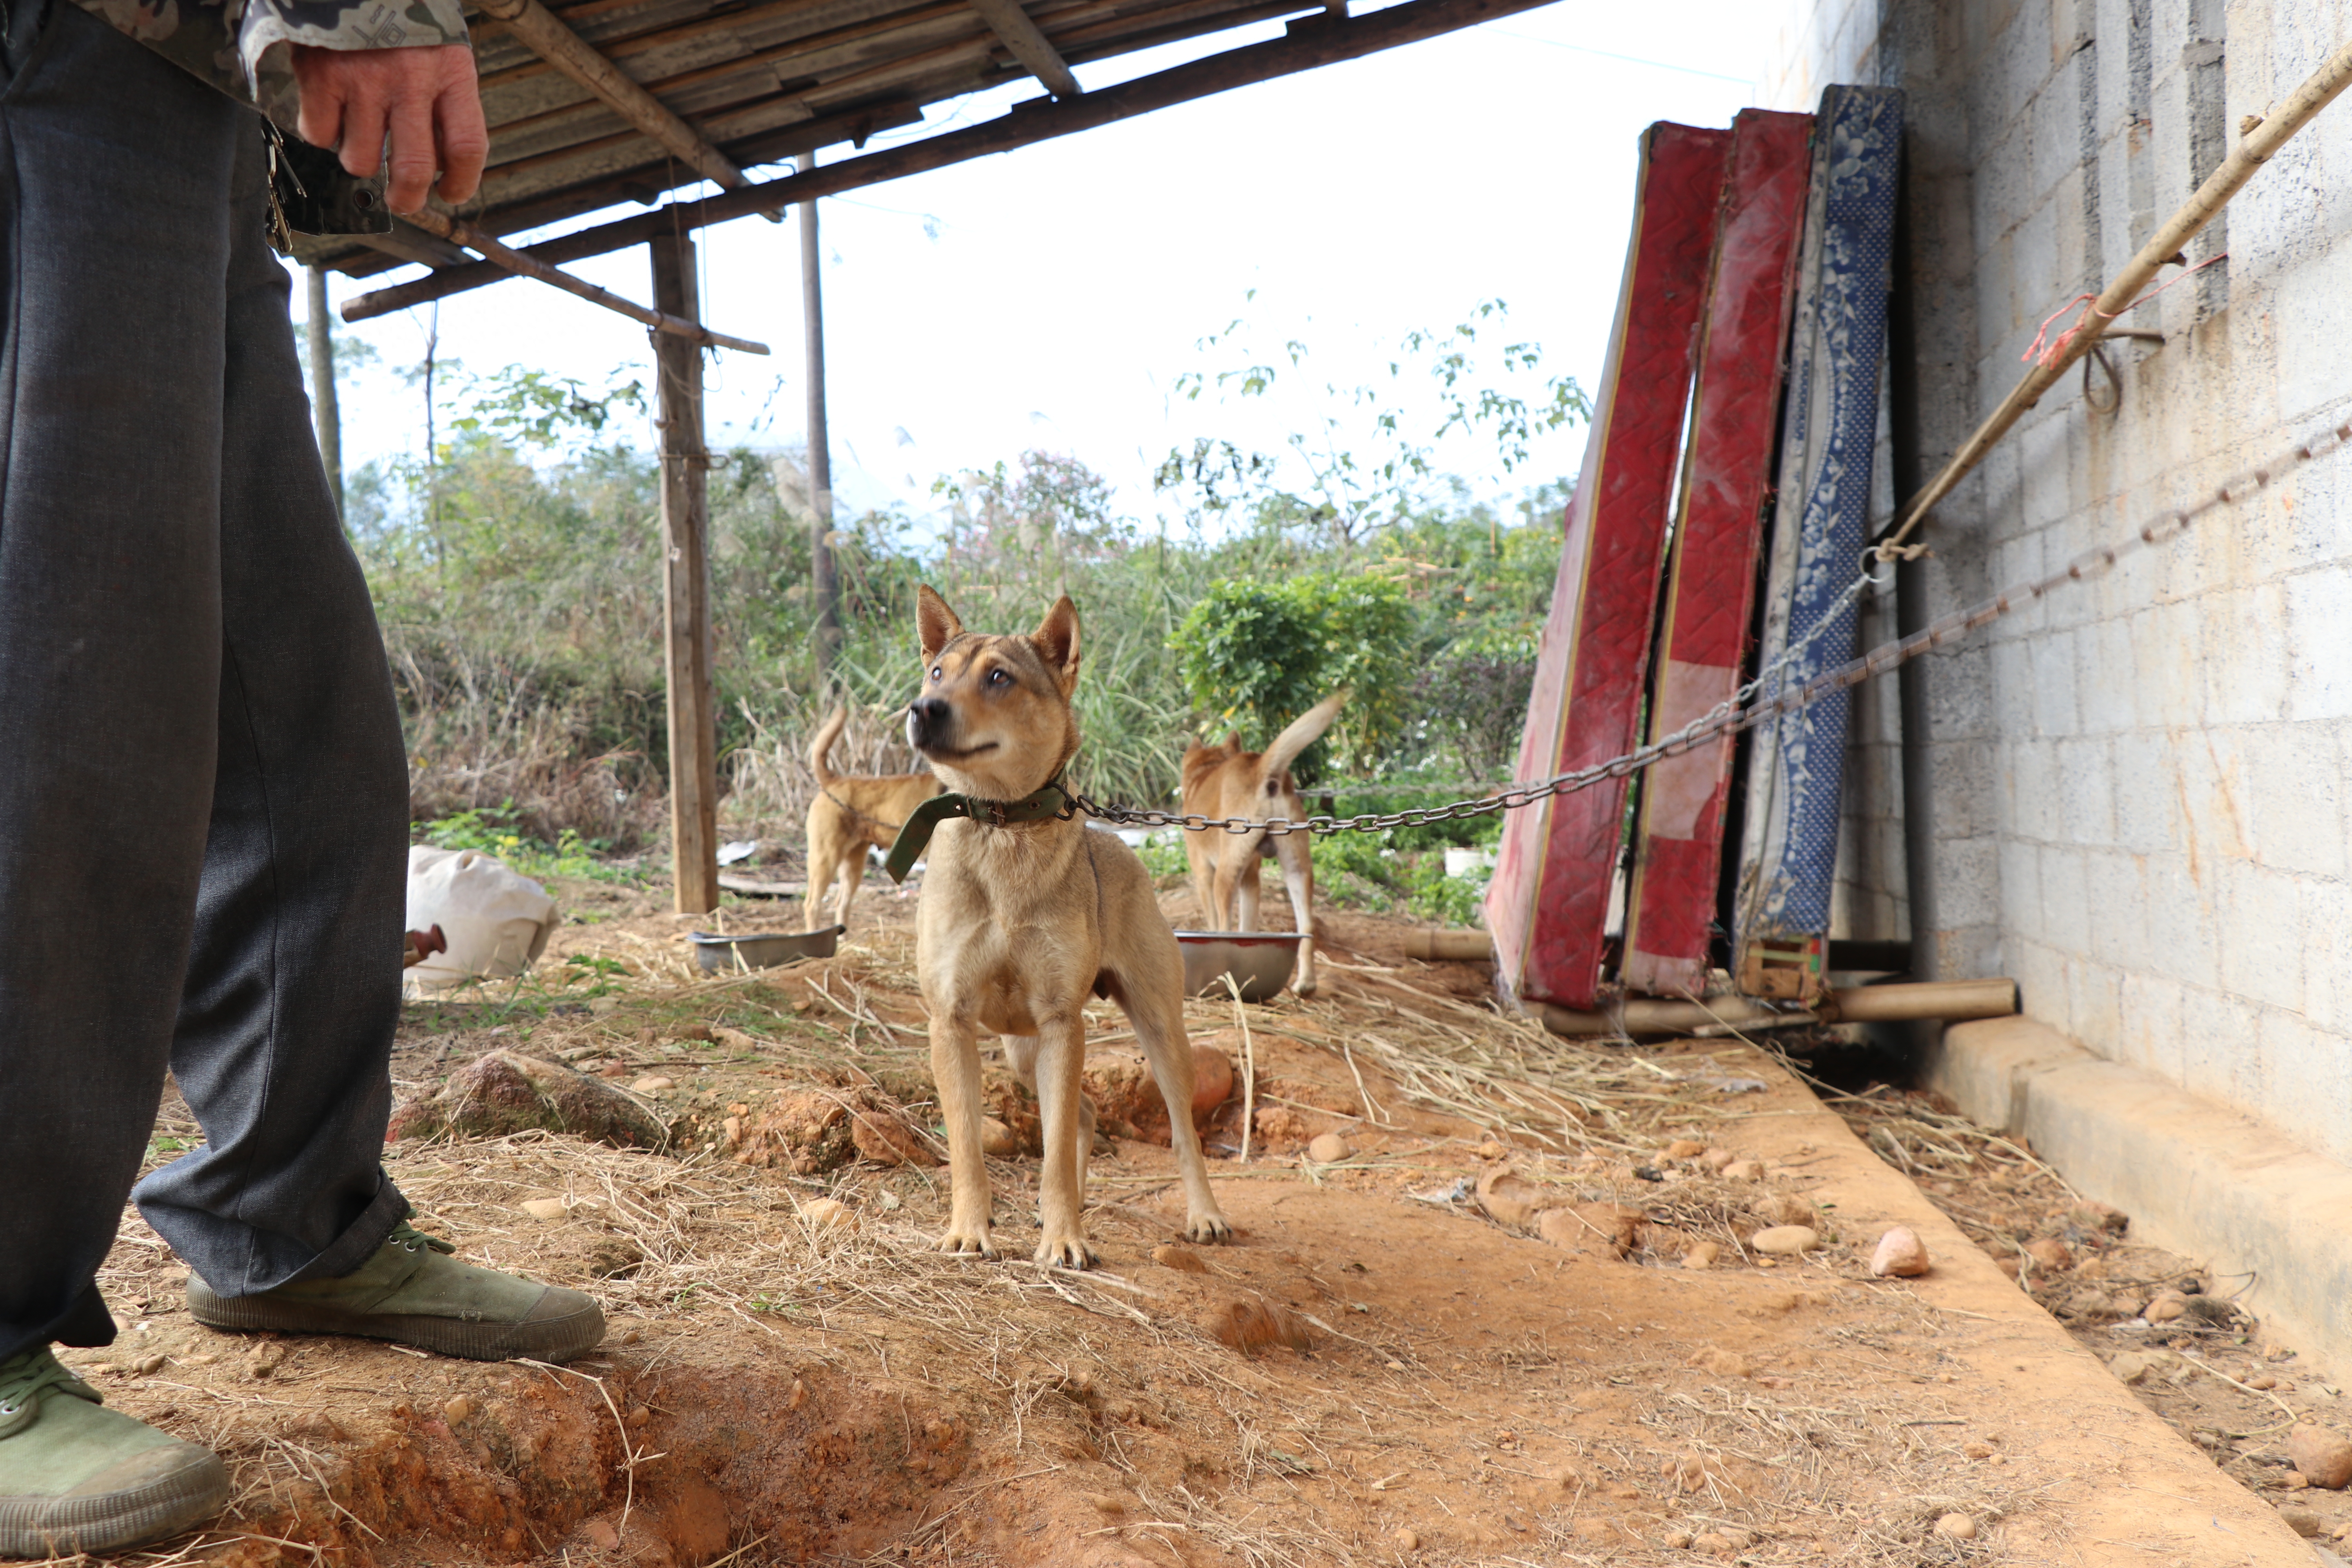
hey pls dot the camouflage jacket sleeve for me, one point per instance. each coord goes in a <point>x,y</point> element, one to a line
<point>242,47</point>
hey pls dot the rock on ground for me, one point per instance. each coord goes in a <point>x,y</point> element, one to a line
<point>2322,1458</point>
<point>506,1091</point>
<point>1787,1240</point>
<point>1901,1255</point>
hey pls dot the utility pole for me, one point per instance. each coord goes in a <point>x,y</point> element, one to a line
<point>324,412</point>
<point>826,583</point>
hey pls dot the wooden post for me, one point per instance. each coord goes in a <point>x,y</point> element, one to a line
<point>825,583</point>
<point>325,416</point>
<point>686,581</point>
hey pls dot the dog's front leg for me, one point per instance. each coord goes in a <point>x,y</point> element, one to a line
<point>955,1070</point>
<point>1068,1135</point>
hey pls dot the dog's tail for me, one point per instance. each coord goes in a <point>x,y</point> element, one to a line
<point>1301,732</point>
<point>826,734</point>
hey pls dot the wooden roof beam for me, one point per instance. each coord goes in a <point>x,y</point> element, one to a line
<point>1307,43</point>
<point>455,232</point>
<point>548,37</point>
<point>1029,45</point>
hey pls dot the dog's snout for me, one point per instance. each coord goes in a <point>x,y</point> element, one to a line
<point>926,720</point>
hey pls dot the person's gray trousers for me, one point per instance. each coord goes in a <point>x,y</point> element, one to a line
<point>203,799</point>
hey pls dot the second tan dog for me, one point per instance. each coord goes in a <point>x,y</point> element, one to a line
<point>847,814</point>
<point>1025,914</point>
<point>1224,781</point>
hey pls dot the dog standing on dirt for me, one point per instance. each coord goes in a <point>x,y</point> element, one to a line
<point>1025,914</point>
<point>1224,781</point>
<point>846,814</point>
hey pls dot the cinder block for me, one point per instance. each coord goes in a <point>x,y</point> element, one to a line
<point>2302,1086</point>
<point>2182,918</point>
<point>2216,1030</point>
<point>2296,796</point>
<point>2150,1029</point>
<point>2116,890</point>
<point>2022,908</point>
<point>2319,643</point>
<point>1967,881</point>
<point>2148,799</point>
<point>2053,655</point>
<point>2086,792</point>
<point>2065,899</point>
<point>2313,304</point>
<point>2260,920</point>
<point>2096,1004</point>
<point>2106,694</point>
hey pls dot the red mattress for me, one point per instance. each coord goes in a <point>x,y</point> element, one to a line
<point>1548,903</point>
<point>1711,576</point>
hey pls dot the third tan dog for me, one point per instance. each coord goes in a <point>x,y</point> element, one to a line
<point>847,814</point>
<point>1224,781</point>
<point>1025,915</point>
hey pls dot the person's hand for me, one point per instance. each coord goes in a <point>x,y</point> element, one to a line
<point>423,100</point>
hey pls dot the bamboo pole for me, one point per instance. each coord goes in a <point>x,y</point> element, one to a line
<point>551,40</point>
<point>1947,999</point>
<point>456,233</point>
<point>2257,148</point>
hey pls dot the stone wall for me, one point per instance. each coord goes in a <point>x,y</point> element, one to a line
<point>2132,797</point>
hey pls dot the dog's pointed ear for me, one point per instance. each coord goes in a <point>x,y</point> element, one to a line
<point>935,624</point>
<point>1056,641</point>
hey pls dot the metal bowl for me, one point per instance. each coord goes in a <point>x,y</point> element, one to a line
<point>714,953</point>
<point>1260,961</point>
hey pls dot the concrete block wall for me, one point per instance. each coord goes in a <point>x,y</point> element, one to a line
<point>2135,795</point>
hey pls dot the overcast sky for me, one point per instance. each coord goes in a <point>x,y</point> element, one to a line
<point>1051,297</point>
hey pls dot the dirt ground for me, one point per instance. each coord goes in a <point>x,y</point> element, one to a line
<point>1472,1333</point>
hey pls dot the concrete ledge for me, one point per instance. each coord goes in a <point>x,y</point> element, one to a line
<point>2206,1181</point>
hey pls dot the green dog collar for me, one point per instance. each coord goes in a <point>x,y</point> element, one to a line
<point>1036,806</point>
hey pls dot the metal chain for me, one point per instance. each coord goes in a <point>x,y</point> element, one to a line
<point>1741,712</point>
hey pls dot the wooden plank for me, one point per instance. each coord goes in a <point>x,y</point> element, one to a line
<point>1797,767</point>
<point>665,322</point>
<point>686,588</point>
<point>1028,44</point>
<point>1549,902</point>
<point>1307,46</point>
<point>567,52</point>
<point>1677,881</point>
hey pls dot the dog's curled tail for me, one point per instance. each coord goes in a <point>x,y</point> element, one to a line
<point>1302,732</point>
<point>827,733</point>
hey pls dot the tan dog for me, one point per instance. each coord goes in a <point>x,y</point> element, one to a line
<point>849,812</point>
<point>1224,781</point>
<point>1021,924</point>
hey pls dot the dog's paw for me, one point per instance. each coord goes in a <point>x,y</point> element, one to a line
<point>1208,1228</point>
<point>1305,987</point>
<point>1067,1252</point>
<point>969,1241</point>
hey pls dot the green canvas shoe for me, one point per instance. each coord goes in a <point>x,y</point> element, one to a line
<point>412,1291</point>
<point>76,1478</point>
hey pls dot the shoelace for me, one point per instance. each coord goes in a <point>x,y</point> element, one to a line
<point>407,1236</point>
<point>25,1377</point>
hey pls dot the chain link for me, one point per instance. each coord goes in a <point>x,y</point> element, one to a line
<point>1741,711</point>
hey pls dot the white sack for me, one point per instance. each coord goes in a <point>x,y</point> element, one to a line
<point>497,920</point>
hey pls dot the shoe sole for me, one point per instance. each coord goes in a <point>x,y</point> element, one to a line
<point>555,1339</point>
<point>60,1527</point>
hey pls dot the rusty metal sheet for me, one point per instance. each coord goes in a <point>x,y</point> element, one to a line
<point>1548,903</point>
<point>1719,530</point>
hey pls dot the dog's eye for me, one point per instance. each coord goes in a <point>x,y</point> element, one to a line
<point>998,677</point>
<point>935,672</point>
